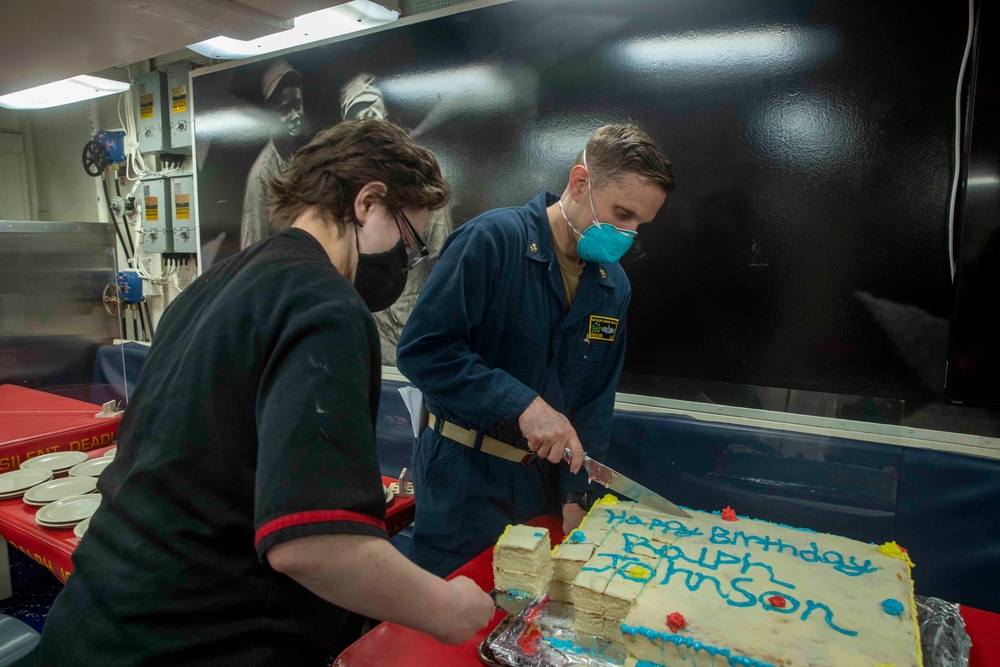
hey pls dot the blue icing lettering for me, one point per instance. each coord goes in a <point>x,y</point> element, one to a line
<point>782,546</point>
<point>616,558</point>
<point>828,616</point>
<point>721,558</point>
<point>693,580</point>
<point>576,537</point>
<point>539,534</point>
<point>740,596</point>
<point>633,520</point>
<point>673,526</point>
<point>613,518</point>
<point>855,570</point>
<point>720,536</point>
<point>751,598</point>
<point>640,544</point>
<point>892,607</point>
<point>851,567</point>
<point>747,564</point>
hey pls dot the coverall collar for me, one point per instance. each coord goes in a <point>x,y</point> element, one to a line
<point>540,237</point>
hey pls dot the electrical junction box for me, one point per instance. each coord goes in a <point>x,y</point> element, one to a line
<point>157,235</point>
<point>151,124</point>
<point>178,88</point>
<point>130,285</point>
<point>182,198</point>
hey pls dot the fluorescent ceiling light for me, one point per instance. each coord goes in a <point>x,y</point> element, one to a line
<point>67,91</point>
<point>324,24</point>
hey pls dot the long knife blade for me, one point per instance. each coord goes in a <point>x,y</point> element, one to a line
<point>619,483</point>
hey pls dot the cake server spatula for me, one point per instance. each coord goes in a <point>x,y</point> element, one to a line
<point>619,483</point>
<point>512,604</point>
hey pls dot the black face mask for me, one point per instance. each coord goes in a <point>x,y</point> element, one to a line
<point>381,277</point>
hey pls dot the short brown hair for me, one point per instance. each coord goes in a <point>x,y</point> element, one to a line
<point>332,168</point>
<point>615,150</point>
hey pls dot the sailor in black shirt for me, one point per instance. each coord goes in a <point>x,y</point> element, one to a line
<point>243,514</point>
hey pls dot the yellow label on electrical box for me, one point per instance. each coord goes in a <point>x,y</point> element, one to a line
<point>152,208</point>
<point>178,99</point>
<point>182,207</point>
<point>146,105</point>
<point>602,328</point>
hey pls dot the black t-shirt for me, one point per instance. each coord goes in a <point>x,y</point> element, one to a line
<point>252,424</point>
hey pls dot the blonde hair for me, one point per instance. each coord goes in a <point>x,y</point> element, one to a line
<point>616,150</point>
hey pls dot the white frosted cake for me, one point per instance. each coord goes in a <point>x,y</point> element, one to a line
<point>522,561</point>
<point>718,589</point>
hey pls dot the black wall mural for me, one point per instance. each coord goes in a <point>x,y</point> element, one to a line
<point>807,243</point>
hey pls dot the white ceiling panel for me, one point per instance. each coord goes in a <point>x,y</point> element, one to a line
<point>47,40</point>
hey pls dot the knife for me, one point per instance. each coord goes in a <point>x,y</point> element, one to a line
<point>619,483</point>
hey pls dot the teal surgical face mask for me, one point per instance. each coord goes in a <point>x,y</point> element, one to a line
<point>602,241</point>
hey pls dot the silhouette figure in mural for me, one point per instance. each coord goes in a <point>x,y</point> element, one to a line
<point>281,89</point>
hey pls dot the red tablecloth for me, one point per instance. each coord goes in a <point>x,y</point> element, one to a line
<point>53,548</point>
<point>35,422</point>
<point>389,644</point>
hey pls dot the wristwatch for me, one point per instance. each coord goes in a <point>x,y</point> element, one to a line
<point>585,500</point>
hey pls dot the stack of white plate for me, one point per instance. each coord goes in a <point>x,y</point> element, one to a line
<point>13,484</point>
<point>91,468</point>
<point>57,489</point>
<point>111,452</point>
<point>57,462</point>
<point>69,511</point>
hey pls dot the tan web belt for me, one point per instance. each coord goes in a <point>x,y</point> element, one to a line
<point>467,437</point>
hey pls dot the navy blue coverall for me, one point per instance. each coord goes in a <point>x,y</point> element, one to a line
<point>489,333</point>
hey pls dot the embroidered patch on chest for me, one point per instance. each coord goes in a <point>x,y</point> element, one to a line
<point>602,328</point>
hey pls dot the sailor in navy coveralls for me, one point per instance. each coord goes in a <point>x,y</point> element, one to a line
<point>517,343</point>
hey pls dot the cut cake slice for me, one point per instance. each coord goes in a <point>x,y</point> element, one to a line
<point>522,561</point>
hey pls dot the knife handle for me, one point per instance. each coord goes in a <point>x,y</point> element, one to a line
<point>532,457</point>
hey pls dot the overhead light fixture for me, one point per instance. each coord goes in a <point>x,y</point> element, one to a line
<point>67,91</point>
<point>313,27</point>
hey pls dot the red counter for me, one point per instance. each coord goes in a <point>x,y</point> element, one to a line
<point>35,422</point>
<point>389,644</point>
<point>53,548</point>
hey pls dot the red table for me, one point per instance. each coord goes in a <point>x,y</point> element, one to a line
<point>389,644</point>
<point>51,547</point>
<point>54,548</point>
<point>35,422</point>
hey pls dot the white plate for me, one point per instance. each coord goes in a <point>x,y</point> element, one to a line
<point>48,492</point>
<point>69,510</point>
<point>111,453</point>
<point>16,482</point>
<point>56,461</point>
<point>388,494</point>
<point>81,528</point>
<point>91,468</point>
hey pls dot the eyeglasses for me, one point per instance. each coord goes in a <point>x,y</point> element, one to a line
<point>419,250</point>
